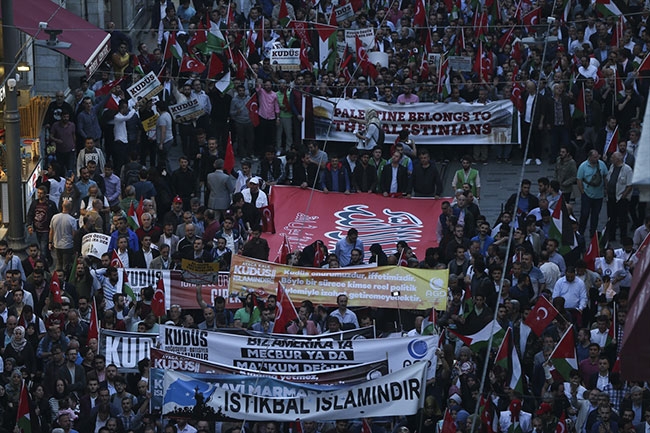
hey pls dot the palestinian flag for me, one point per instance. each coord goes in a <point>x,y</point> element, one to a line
<point>580,110</point>
<point>429,324</point>
<point>215,41</point>
<point>126,287</point>
<point>132,218</point>
<point>283,15</point>
<point>508,359</point>
<point>479,340</point>
<point>327,51</point>
<point>172,47</point>
<point>645,64</point>
<point>561,229</point>
<point>608,8</point>
<point>137,67</point>
<point>563,357</point>
<point>23,417</point>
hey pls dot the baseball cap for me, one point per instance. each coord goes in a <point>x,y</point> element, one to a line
<point>178,199</point>
<point>255,180</point>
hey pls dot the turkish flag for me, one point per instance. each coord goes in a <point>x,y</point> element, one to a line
<point>304,58</point>
<point>285,250</point>
<point>517,87</point>
<point>190,64</point>
<point>531,19</point>
<point>240,62</point>
<point>268,226</point>
<point>55,288</point>
<point>593,252</point>
<point>319,255</point>
<point>158,303</point>
<point>253,110</point>
<point>93,328</point>
<point>420,17</point>
<point>541,315</point>
<point>285,312</point>
<point>106,88</point>
<point>448,424</point>
<point>362,58</point>
<point>115,260</point>
<point>200,37</point>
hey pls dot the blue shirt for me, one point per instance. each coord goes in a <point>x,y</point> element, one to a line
<point>484,243</point>
<point>587,172</point>
<point>343,250</point>
<point>134,243</point>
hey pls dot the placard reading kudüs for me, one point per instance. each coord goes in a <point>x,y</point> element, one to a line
<point>428,123</point>
<point>125,349</point>
<point>277,355</point>
<point>418,289</point>
<point>145,88</point>
<point>398,393</point>
<point>186,111</point>
<point>286,58</point>
<point>180,292</point>
<point>94,245</point>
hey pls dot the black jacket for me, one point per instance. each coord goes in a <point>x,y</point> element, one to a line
<point>403,179</point>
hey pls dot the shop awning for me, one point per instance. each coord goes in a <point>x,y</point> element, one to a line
<point>89,44</point>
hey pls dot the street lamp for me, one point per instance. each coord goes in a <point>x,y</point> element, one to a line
<point>16,233</point>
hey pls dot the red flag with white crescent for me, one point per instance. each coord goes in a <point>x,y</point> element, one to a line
<point>190,64</point>
<point>285,311</point>
<point>304,58</point>
<point>268,226</point>
<point>93,328</point>
<point>593,252</point>
<point>115,260</point>
<point>158,304</point>
<point>55,288</point>
<point>253,110</point>
<point>541,315</point>
<point>531,19</point>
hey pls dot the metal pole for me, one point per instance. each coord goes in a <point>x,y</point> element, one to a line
<point>16,233</point>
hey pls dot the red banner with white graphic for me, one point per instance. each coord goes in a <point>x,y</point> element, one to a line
<point>378,219</point>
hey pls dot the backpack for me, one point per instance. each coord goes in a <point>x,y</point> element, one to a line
<point>131,173</point>
<point>382,136</point>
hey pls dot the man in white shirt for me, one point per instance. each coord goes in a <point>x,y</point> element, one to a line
<point>572,289</point>
<point>121,139</point>
<point>342,313</point>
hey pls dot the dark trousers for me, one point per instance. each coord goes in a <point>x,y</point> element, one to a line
<point>637,211</point>
<point>266,134</point>
<point>120,155</point>
<point>589,207</point>
<point>67,161</point>
<point>534,146</point>
<point>617,214</point>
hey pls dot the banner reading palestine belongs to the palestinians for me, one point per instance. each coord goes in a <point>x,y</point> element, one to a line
<point>429,123</point>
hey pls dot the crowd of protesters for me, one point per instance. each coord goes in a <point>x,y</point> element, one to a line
<point>107,154</point>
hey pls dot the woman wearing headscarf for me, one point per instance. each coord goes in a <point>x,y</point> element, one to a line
<point>21,350</point>
<point>371,136</point>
